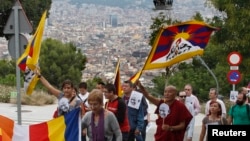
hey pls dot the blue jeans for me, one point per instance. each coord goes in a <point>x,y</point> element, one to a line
<point>83,138</point>
<point>125,136</point>
<point>133,137</point>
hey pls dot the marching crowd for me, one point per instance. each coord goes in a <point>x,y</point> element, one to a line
<point>108,117</point>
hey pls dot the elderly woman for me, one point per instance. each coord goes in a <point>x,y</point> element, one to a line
<point>101,124</point>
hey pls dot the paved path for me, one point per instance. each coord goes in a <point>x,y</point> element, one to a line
<point>29,114</point>
<point>37,114</point>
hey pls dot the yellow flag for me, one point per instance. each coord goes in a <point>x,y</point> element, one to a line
<point>29,59</point>
<point>136,76</point>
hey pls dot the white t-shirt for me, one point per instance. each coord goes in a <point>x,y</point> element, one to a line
<point>84,98</point>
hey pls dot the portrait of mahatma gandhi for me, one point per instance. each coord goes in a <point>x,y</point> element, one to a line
<point>164,110</point>
<point>133,100</point>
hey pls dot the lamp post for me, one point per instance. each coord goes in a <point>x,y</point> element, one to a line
<point>163,4</point>
<point>204,64</point>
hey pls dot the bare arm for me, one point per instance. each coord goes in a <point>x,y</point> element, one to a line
<point>229,120</point>
<point>45,82</point>
<point>151,98</point>
<point>203,132</point>
<point>51,89</point>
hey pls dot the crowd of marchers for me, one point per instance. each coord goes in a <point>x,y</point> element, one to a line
<point>109,117</point>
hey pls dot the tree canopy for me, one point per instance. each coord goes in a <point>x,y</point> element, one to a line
<point>59,62</point>
<point>32,8</point>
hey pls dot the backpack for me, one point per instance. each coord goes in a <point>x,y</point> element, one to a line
<point>144,106</point>
<point>247,108</point>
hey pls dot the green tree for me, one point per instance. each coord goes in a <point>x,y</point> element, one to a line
<point>33,10</point>
<point>159,85</point>
<point>7,67</point>
<point>59,62</point>
<point>158,22</point>
<point>7,72</point>
<point>92,83</point>
<point>233,34</point>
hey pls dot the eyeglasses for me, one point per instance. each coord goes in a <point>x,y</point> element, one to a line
<point>183,96</point>
<point>187,89</point>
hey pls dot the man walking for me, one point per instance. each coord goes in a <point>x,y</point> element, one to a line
<point>116,105</point>
<point>213,96</point>
<point>239,114</point>
<point>194,100</point>
<point>133,99</point>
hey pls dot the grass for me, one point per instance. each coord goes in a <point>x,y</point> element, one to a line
<point>38,98</point>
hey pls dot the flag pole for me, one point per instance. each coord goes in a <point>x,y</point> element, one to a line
<point>204,64</point>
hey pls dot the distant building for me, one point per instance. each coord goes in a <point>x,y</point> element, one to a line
<point>113,20</point>
<point>49,22</point>
<point>104,25</point>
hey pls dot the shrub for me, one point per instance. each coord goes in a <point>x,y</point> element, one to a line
<point>38,98</point>
<point>8,95</point>
<point>5,93</point>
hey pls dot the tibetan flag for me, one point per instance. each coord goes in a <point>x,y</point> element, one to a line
<point>135,77</point>
<point>63,128</point>
<point>177,43</point>
<point>29,59</point>
<point>117,79</point>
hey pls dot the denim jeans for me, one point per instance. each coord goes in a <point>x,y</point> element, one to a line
<point>83,138</point>
<point>133,137</point>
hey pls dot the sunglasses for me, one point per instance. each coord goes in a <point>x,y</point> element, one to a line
<point>183,96</point>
